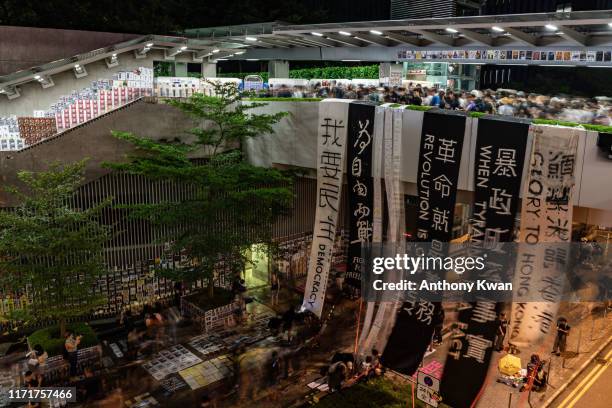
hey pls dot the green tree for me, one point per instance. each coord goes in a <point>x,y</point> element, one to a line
<point>228,204</point>
<point>49,251</point>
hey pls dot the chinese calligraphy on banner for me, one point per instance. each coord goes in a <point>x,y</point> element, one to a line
<point>331,146</point>
<point>360,185</point>
<point>500,157</point>
<point>546,216</point>
<point>438,174</point>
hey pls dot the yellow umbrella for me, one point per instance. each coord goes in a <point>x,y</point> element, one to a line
<point>510,364</point>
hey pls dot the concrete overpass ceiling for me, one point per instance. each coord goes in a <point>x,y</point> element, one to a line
<point>363,40</point>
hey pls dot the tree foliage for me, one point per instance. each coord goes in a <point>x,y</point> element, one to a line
<point>228,203</point>
<point>50,252</point>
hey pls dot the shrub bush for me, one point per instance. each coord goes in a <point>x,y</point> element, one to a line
<point>49,338</point>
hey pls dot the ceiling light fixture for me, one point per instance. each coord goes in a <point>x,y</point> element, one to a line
<point>451,30</point>
<point>345,33</point>
<point>376,32</point>
<point>497,29</point>
<point>551,27</point>
<point>252,39</point>
<point>317,34</point>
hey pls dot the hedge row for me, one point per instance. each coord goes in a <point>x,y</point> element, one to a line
<point>362,72</point>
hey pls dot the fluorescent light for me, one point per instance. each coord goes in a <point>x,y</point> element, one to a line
<point>317,34</point>
<point>599,66</point>
<point>215,51</point>
<point>376,32</point>
<point>252,59</point>
<point>149,45</point>
<point>351,60</point>
<point>183,48</point>
<point>551,27</point>
<point>220,59</point>
<point>451,30</point>
<point>239,52</point>
<point>556,65</point>
<point>346,33</point>
<point>497,29</point>
<point>77,66</point>
<point>610,24</point>
<point>250,38</point>
<point>37,77</point>
<point>560,33</point>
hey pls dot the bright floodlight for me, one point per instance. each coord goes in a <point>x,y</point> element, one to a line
<point>183,48</point>
<point>250,38</point>
<point>451,30</point>
<point>149,44</point>
<point>376,32</point>
<point>551,27</point>
<point>497,29</point>
<point>317,34</point>
<point>346,33</point>
<point>215,51</point>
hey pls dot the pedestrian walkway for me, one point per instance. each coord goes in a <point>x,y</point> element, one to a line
<point>589,331</point>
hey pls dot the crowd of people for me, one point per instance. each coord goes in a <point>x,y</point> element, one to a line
<point>501,101</point>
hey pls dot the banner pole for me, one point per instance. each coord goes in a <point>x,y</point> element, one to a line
<point>358,323</point>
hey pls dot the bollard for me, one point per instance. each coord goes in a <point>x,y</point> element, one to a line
<point>509,399</point>
<point>579,339</point>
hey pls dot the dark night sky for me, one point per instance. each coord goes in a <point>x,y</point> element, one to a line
<point>168,16</point>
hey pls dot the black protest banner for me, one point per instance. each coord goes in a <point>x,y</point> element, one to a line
<point>500,156</point>
<point>360,185</point>
<point>438,174</point>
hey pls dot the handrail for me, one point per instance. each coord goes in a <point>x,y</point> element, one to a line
<point>80,125</point>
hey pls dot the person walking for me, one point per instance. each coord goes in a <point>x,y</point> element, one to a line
<point>563,329</point>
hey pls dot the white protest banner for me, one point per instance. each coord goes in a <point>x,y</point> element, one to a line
<point>331,149</point>
<point>546,217</point>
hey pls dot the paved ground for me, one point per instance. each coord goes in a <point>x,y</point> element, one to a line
<point>591,389</point>
<point>588,333</point>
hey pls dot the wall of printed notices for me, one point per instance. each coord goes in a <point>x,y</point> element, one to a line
<point>82,105</point>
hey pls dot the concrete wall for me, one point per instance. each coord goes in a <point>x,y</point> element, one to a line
<point>93,140</point>
<point>292,144</point>
<point>25,47</point>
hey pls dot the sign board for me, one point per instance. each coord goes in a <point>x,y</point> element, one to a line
<point>253,83</point>
<point>428,389</point>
